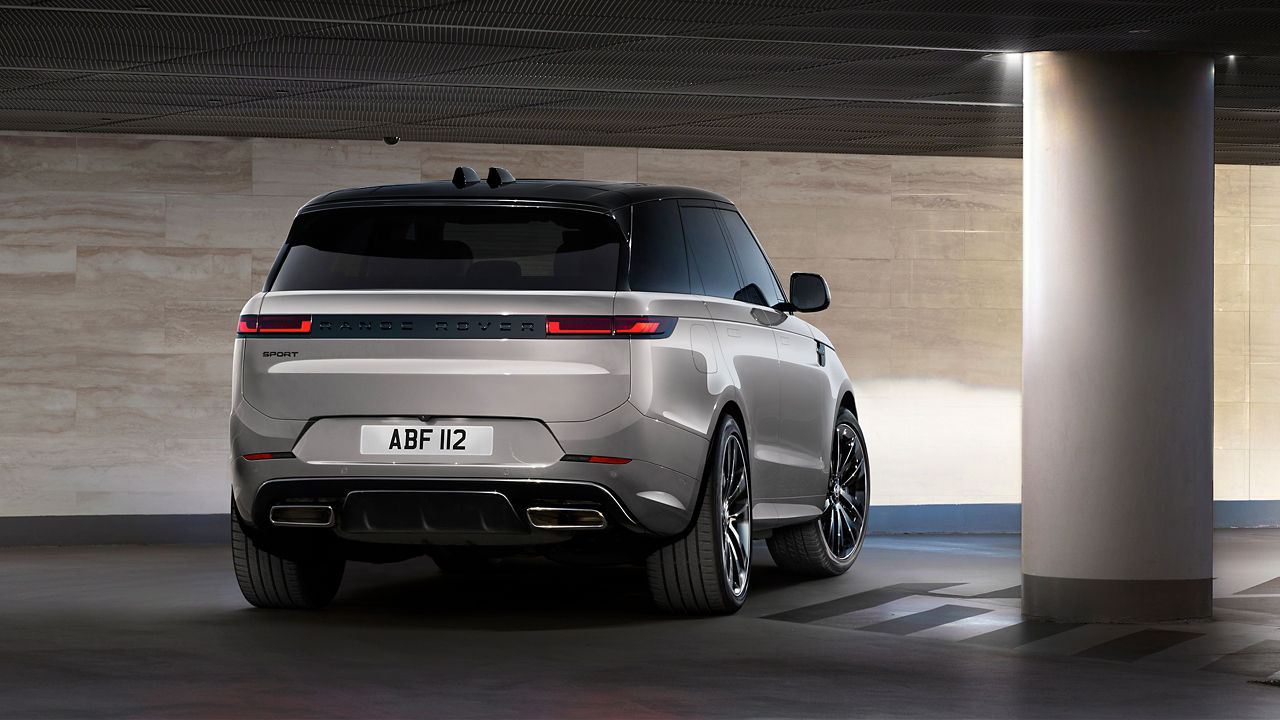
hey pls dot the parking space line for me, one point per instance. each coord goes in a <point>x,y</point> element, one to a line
<point>916,622</point>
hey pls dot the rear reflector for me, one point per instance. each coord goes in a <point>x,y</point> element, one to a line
<point>267,456</point>
<point>628,326</point>
<point>272,324</point>
<point>596,459</point>
<point>608,460</point>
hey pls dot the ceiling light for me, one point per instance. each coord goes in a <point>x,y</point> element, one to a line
<point>1013,57</point>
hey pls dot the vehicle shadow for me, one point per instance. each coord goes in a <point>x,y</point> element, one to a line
<point>513,595</point>
<point>517,594</point>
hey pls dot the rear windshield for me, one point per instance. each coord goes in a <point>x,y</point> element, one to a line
<point>450,248</point>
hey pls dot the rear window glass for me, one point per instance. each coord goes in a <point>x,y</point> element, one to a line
<point>450,248</point>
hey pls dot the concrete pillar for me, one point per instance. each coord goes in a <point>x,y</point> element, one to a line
<point>1117,337</point>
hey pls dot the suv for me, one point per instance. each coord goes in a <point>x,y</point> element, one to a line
<point>597,372</point>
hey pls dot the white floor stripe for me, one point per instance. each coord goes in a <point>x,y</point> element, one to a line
<point>888,611</point>
<point>969,590</point>
<point>971,626</point>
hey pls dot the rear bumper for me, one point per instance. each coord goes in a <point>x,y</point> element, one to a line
<point>459,511</point>
<point>643,496</point>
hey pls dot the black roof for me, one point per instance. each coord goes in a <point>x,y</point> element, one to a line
<point>598,194</point>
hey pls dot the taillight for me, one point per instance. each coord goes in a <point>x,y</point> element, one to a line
<point>650,326</point>
<point>579,326</point>
<point>627,326</point>
<point>271,324</point>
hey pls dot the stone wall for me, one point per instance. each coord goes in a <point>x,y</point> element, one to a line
<point>124,261</point>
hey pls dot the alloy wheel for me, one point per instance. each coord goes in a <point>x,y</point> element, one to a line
<point>844,514</point>
<point>735,493</point>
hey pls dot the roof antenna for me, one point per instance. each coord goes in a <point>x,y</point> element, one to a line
<point>498,177</point>
<point>464,176</point>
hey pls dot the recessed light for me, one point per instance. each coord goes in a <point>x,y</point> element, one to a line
<point>1140,30</point>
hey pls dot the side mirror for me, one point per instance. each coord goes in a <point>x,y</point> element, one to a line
<point>809,292</point>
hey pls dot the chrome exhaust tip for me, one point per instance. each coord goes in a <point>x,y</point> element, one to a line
<point>312,516</point>
<point>545,518</point>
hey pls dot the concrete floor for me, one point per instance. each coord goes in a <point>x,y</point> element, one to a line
<point>922,627</point>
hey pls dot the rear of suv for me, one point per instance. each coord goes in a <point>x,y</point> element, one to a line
<point>591,371</point>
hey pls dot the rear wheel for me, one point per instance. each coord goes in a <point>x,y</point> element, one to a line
<point>827,545</point>
<point>268,580</point>
<point>708,571</point>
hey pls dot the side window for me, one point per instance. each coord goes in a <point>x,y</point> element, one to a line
<point>752,263</point>
<point>710,253</point>
<point>658,259</point>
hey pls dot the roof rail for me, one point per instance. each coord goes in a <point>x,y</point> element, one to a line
<point>498,177</point>
<point>464,176</point>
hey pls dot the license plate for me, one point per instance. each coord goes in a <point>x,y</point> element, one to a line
<point>430,440</point>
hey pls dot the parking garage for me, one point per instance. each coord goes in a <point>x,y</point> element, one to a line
<point>1047,231</point>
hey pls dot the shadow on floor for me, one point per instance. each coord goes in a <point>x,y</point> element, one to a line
<point>517,594</point>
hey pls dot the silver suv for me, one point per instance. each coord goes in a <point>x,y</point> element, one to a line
<point>596,372</point>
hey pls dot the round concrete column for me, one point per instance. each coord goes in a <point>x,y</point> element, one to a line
<point>1117,337</point>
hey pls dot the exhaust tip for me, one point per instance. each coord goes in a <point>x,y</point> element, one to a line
<point>546,518</point>
<point>313,516</point>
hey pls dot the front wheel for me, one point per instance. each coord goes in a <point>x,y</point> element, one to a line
<point>827,545</point>
<point>708,571</point>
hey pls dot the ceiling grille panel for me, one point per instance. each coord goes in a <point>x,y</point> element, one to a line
<point>872,76</point>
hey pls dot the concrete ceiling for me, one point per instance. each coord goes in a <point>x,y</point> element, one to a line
<point>889,76</point>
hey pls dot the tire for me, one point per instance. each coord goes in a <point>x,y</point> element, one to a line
<point>268,580</point>
<point>708,571</point>
<point>827,545</point>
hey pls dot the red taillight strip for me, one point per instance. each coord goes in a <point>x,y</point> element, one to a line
<point>579,326</point>
<point>274,324</point>
<point>642,325</point>
<point>267,456</point>
<point>626,325</point>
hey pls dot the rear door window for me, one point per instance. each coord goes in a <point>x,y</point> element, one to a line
<point>710,253</point>
<point>450,248</point>
<point>760,285</point>
<point>659,262</point>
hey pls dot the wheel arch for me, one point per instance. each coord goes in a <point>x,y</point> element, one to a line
<point>847,401</point>
<point>729,407</point>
